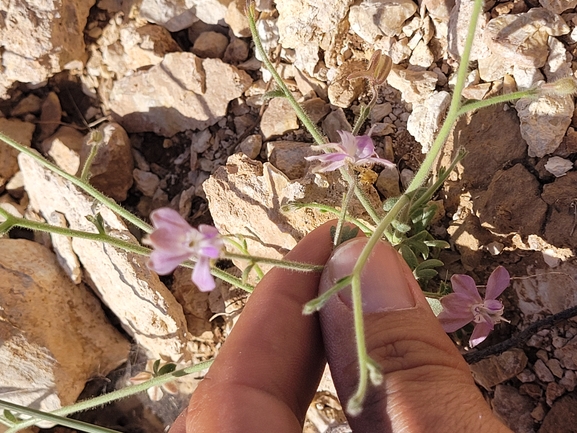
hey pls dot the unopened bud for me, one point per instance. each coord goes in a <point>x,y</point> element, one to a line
<point>378,70</point>
<point>563,86</point>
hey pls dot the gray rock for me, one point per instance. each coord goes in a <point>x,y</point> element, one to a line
<point>210,44</point>
<point>542,372</point>
<point>64,147</point>
<point>567,354</point>
<point>177,15</point>
<point>372,19</point>
<point>458,28</point>
<point>558,166</point>
<point>336,121</point>
<point>55,335</point>
<point>20,132</point>
<point>179,94</point>
<point>416,86</point>
<point>289,157</point>
<point>146,182</point>
<point>251,146</point>
<point>558,6</point>
<point>388,182</point>
<point>562,417</point>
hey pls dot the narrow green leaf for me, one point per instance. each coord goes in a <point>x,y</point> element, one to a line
<point>168,368</point>
<point>409,256</point>
<point>425,274</point>
<point>429,264</point>
<point>277,93</point>
<point>155,367</point>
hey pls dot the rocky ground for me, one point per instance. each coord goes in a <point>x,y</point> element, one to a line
<point>173,93</point>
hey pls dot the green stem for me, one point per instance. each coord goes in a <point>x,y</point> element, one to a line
<point>285,264</point>
<point>471,106</point>
<point>244,250</point>
<point>365,111</point>
<point>85,174</point>
<point>319,302</point>
<point>343,214</point>
<point>231,279</point>
<point>116,395</point>
<point>86,187</point>
<point>72,423</point>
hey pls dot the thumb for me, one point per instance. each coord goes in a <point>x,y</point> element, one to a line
<point>427,385</point>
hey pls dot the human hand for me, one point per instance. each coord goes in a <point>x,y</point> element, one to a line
<point>268,369</point>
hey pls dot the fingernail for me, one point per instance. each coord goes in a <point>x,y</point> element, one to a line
<point>383,283</point>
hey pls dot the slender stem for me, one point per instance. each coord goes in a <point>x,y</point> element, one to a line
<point>286,264</point>
<point>72,423</point>
<point>231,279</point>
<point>507,97</point>
<point>317,303</point>
<point>301,114</point>
<point>85,174</point>
<point>365,111</point>
<point>244,250</point>
<point>116,395</point>
<point>423,172</point>
<point>89,189</point>
<point>343,214</point>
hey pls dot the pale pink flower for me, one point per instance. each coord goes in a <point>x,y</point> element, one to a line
<point>354,150</point>
<point>465,305</point>
<point>174,241</point>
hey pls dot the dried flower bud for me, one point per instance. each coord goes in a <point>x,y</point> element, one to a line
<point>563,86</point>
<point>377,71</point>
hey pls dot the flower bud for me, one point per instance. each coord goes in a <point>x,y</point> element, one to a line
<point>563,86</point>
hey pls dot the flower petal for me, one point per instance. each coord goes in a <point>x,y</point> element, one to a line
<point>201,275</point>
<point>348,143</point>
<point>497,283</point>
<point>166,217</point>
<point>480,333</point>
<point>456,312</point>
<point>465,285</point>
<point>365,147</point>
<point>164,263</point>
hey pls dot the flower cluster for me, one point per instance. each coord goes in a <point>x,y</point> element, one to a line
<point>351,150</point>
<point>174,241</point>
<point>465,305</point>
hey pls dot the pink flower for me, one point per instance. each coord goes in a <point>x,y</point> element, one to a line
<point>351,150</point>
<point>174,242</point>
<point>465,305</point>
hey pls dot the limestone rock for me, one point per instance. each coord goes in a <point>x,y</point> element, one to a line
<point>342,91</point>
<point>176,15</point>
<point>336,121</point>
<point>63,148</point>
<point>289,157</point>
<point>39,38</point>
<point>245,197</point>
<point>316,109</point>
<point>129,47</point>
<point>51,116</point>
<point>558,64</point>
<point>146,182</point>
<point>55,336</point>
<point>560,195</point>
<point>236,52</point>
<point>236,19</point>
<point>278,118</point>
<point>522,39</point>
<point>372,19</point>
<point>416,86</point>
<point>458,28</point>
<point>562,417</point>
<point>513,409</point>
<point>494,370</point>
<point>251,146</point>
<point>179,94</point>
<point>388,182</point>
<point>548,293</point>
<point>111,169</point>
<point>20,132</point>
<point>558,6</point>
<point>426,119</point>
<point>512,203</point>
<point>210,44</point>
<point>558,166</point>
<point>544,122</point>
<point>145,307</point>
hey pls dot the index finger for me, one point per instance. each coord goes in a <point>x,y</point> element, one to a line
<point>267,372</point>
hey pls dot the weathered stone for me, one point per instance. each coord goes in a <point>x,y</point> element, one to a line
<point>542,372</point>
<point>567,354</point>
<point>176,102</point>
<point>251,146</point>
<point>336,121</point>
<point>525,78</point>
<point>20,132</point>
<point>129,47</point>
<point>439,9</point>
<point>55,336</point>
<point>177,15</point>
<point>557,66</point>
<point>547,293</point>
<point>39,38</point>
<point>289,157</point>
<point>555,367</point>
<point>416,86</point>
<point>343,91</point>
<point>562,417</point>
<point>422,55</point>
<point>388,182</point>
<point>569,380</point>
<point>522,39</point>
<point>50,116</point>
<point>236,52</point>
<point>63,247</point>
<point>316,109</point>
<point>560,195</point>
<point>558,6</point>
<point>558,166</point>
<point>427,117</point>
<point>372,19</point>
<point>494,67</point>
<point>15,186</point>
<point>278,118</point>
<point>111,168</point>
<point>146,182</point>
<point>504,207</point>
<point>29,104</point>
<point>145,307</point>
<point>236,19</point>
<point>553,392</point>
<point>494,370</point>
<point>210,44</point>
<point>544,122</point>
<point>459,27</point>
<point>64,148</point>
<point>513,409</point>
